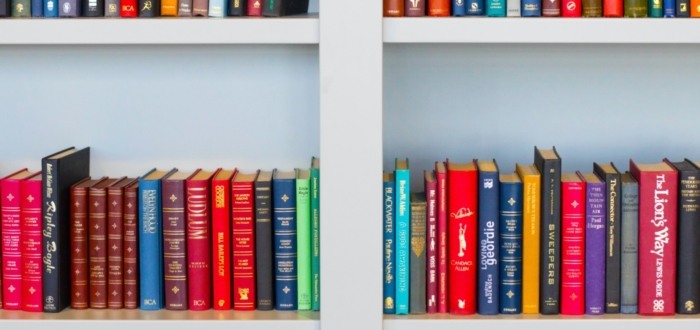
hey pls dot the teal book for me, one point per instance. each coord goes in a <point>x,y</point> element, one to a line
<point>303,239</point>
<point>315,234</point>
<point>496,8</point>
<point>403,233</point>
<point>218,8</point>
<point>656,8</point>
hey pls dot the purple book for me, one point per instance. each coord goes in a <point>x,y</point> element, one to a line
<point>595,244</point>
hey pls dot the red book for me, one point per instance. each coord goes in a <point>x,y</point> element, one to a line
<point>254,7</point>
<point>30,195</point>
<point>131,247</point>
<point>432,244</point>
<point>115,243</point>
<point>441,178</point>
<point>129,8</point>
<point>571,8</point>
<point>462,197</point>
<point>658,200</point>
<point>199,241</point>
<point>573,223</point>
<point>79,272</point>
<point>243,206</point>
<point>221,244</point>
<point>11,237</point>
<point>97,236</point>
<point>612,8</point>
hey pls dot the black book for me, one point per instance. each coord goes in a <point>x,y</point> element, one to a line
<point>264,259</point>
<point>613,213</point>
<point>237,7</point>
<point>276,8</point>
<point>149,8</point>
<point>682,8</point>
<point>549,164</point>
<point>416,262</point>
<point>688,265</point>
<point>93,8</point>
<point>60,171</point>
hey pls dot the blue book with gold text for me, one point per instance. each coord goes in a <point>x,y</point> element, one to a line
<point>284,202</point>
<point>511,243</point>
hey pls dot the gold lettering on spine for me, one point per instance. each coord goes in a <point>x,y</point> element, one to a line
<point>197,217</point>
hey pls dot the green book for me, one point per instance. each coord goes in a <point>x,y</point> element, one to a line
<point>21,8</point>
<point>304,239</point>
<point>496,8</point>
<point>636,8</point>
<point>656,8</point>
<point>316,235</point>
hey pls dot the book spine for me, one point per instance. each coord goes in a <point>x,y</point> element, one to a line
<point>115,243</point>
<point>550,236</point>
<point>221,243</point>
<point>93,8</point>
<point>459,8</point>
<point>613,8</point>
<point>198,245</point>
<point>688,281</point>
<point>432,278</point>
<point>531,244</point>
<point>128,8</point>
<point>264,259</point>
<point>441,179</point>
<point>69,8</point>
<point>37,8</point>
<point>694,8</point>
<point>242,195</point>
<point>462,208</point>
<point>551,8</point>
<point>200,8</point>
<point>168,8</point>
<point>402,191</point>
<point>30,195</point>
<point>131,248</point>
<point>438,8</point>
<point>51,240</point>
<point>595,248</point>
<point>97,236</point>
<point>475,7</point>
<point>50,8</point>
<point>612,248</point>
<point>488,269</point>
<point>149,8</point>
<point>510,231</point>
<point>571,8</point>
<point>238,7</point>
<point>285,243</point>
<point>389,249</point>
<point>392,8</point>
<point>21,8</point>
<point>592,8</point>
<point>669,8</point>
<point>573,197</point>
<point>531,8</point>
<point>639,8</point>
<point>254,8</point>
<point>630,244</point>
<point>304,243</point>
<point>150,245</point>
<point>513,8</point>
<point>656,8</point>
<point>496,8</point>
<point>11,252</point>
<point>112,8</point>
<point>184,8</point>
<point>682,8</point>
<point>417,260</point>
<point>414,8</point>
<point>79,249</point>
<point>316,240</point>
<point>218,8</point>
<point>173,200</point>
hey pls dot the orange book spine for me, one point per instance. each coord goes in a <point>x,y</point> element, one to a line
<point>168,8</point>
<point>440,7</point>
<point>694,8</point>
<point>394,8</point>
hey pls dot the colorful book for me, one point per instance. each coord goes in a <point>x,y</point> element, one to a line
<point>531,8</point>
<point>488,281</point>
<point>510,230</point>
<point>438,8</point>
<point>496,8</point>
<point>115,243</point>
<point>417,274</point>
<point>551,8</point>
<point>394,8</point>
<point>264,259</point>
<point>303,238</point>
<point>50,8</point>
<point>669,8</point>
<point>441,178</point>
<point>656,8</point>
<point>199,240</point>
<point>243,240</point>
<point>254,8</point>
<point>531,237</point>
<point>513,8</point>
<point>80,271</point>
<point>571,8</point>
<point>97,235</point>
<point>221,238</point>
<point>414,8</point>
<point>592,8</point>
<point>609,174</point>
<point>131,245</point>
<point>595,244</point>
<point>21,8</point>
<point>285,239</point>
<point>658,188</point>
<point>573,235</point>
<point>613,8</point>
<point>402,192</point>
<point>683,8</point>
<point>694,8</point>
<point>639,8</point>
<point>630,244</point>
<point>169,8</point>
<point>475,7</point>
<point>128,8</point>
<point>30,213</point>
<point>316,234</point>
<point>431,242</point>
<point>389,293</point>
<point>459,8</point>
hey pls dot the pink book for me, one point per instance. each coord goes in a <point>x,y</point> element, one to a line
<point>31,221</point>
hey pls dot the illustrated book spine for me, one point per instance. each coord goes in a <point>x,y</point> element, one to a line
<point>475,7</point>
<point>149,8</point>
<point>112,8</point>
<point>656,8</point>
<point>571,8</point>
<point>21,8</point>
<point>682,8</point>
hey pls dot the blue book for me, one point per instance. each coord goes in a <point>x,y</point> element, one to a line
<point>50,8</point>
<point>403,234</point>
<point>531,8</point>
<point>218,8</point>
<point>511,252</point>
<point>284,215</point>
<point>151,240</point>
<point>389,245</point>
<point>459,8</point>
<point>488,273</point>
<point>37,8</point>
<point>669,8</point>
<point>475,7</point>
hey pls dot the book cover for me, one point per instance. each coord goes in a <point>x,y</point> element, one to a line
<point>475,7</point>
<point>682,8</point>
<point>438,8</point>
<point>21,8</point>
<point>431,242</point>
<point>243,240</point>
<point>459,8</point>
<point>97,236</point>
<point>639,8</point>
<point>393,8</point>
<point>402,192</point>
<point>571,8</point>
<point>609,174</point>
<point>496,8</point>
<point>285,239</point>
<point>513,8</point>
<point>531,8</point>
<point>37,8</point>
<point>264,259</point>
<point>595,244</point>
<point>60,171</point>
<point>218,8</point>
<point>614,8</point>
<point>531,237</point>
<point>221,238</point>
<point>417,260</point>
<point>80,271</point>
<point>112,8</point>
<point>548,163</point>
<point>131,245</point>
<point>30,213</point>
<point>115,243</point>
<point>630,243</point>
<point>462,208</point>
<point>50,8</point>
<point>656,8</point>
<point>669,8</point>
<point>573,235</point>
<point>551,8</point>
<point>149,8</point>
<point>414,8</point>
<point>510,232</point>
<point>316,234</point>
<point>592,8</point>
<point>199,240</point>
<point>128,8</point>
<point>93,8</point>
<point>658,204</point>
<point>441,178</point>
<point>184,8</point>
<point>200,8</point>
<point>168,7</point>
<point>254,8</point>
<point>488,279</point>
<point>389,292</point>
<point>303,238</point>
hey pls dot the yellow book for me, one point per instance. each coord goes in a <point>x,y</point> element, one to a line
<point>531,238</point>
<point>168,8</point>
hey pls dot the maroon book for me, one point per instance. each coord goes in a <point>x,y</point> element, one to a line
<point>80,297</point>
<point>551,8</point>
<point>441,178</point>
<point>115,243</point>
<point>415,8</point>
<point>432,244</point>
<point>131,245</point>
<point>254,7</point>
<point>199,240</point>
<point>97,235</point>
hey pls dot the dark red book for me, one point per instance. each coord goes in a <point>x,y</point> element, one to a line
<point>80,271</point>
<point>658,205</point>
<point>199,241</point>
<point>129,8</point>
<point>573,223</point>
<point>30,195</point>
<point>432,243</point>
<point>462,210</point>
<point>115,243</point>
<point>131,246</point>
<point>221,244</point>
<point>613,8</point>
<point>441,178</point>
<point>242,211</point>
<point>97,235</point>
<point>414,8</point>
<point>551,8</point>
<point>571,8</point>
<point>254,7</point>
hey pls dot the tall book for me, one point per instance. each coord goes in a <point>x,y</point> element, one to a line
<point>276,8</point>
<point>243,214</point>
<point>285,239</point>
<point>168,8</point>
<point>37,8</point>
<point>218,8</point>
<point>402,193</point>
<point>21,8</point>
<point>60,171</point>
<point>595,244</point>
<point>462,208</point>
<point>551,8</point>
<point>174,203</point>
<point>441,178</point>
<point>80,267</point>
<point>150,227</point>
<point>115,243</point>
<point>496,8</point>
<point>531,237</point>
<point>131,245</point>
<point>112,8</point>
<point>128,8</point>
<point>239,7</point>
<point>200,8</point>
<point>97,236</point>
<point>184,8</point>
<point>658,204</point>
<point>548,163</point>
<point>683,8</point>
<point>573,235</point>
<point>669,8</point>
<point>316,234</point>
<point>459,8</point>
<point>609,174</point>
<point>639,8</point>
<point>93,8</point>
<point>199,240</point>
<point>414,8</point>
<point>513,8</point>
<point>613,8</point>
<point>656,8</point>
<point>510,230</point>
<point>488,281</point>
<point>389,292</point>
<point>688,270</point>
<point>417,274</point>
<point>438,8</point>
<point>393,8</point>
<point>221,238</point>
<point>264,259</point>
<point>531,8</point>
<point>475,7</point>
<point>431,242</point>
<point>30,213</point>
<point>149,8</point>
<point>592,8</point>
<point>571,8</point>
<point>630,243</point>
<point>254,8</point>
<point>304,238</point>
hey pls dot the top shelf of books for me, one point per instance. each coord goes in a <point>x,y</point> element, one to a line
<point>298,29</point>
<point>541,30</point>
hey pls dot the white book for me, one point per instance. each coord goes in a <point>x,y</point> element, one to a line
<point>513,8</point>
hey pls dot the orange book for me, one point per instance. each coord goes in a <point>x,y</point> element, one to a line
<point>440,7</point>
<point>168,8</point>
<point>694,8</point>
<point>394,8</point>
<point>531,237</point>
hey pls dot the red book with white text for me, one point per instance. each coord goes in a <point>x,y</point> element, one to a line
<point>30,195</point>
<point>573,223</point>
<point>462,211</point>
<point>658,201</point>
<point>441,177</point>
<point>221,242</point>
<point>571,8</point>
<point>199,241</point>
<point>242,212</point>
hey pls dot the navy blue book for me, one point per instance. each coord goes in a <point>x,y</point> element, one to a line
<point>37,8</point>
<point>511,232</point>
<point>459,8</point>
<point>284,215</point>
<point>669,8</point>
<point>487,276</point>
<point>151,240</point>
<point>531,8</point>
<point>50,8</point>
<point>389,243</point>
<point>475,7</point>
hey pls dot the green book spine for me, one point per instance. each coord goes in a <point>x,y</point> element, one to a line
<point>316,237</point>
<point>21,8</point>
<point>304,239</point>
<point>636,8</point>
<point>656,8</point>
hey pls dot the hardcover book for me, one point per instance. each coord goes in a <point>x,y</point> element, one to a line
<point>149,8</point>
<point>168,8</point>
<point>571,8</point>
<point>30,212</point>
<point>669,8</point>
<point>475,7</point>
<point>431,241</point>
<point>595,244</point>
<point>438,8</point>
<point>254,8</point>
<point>285,241</point>
<point>548,163</point>
<point>97,236</point>
<point>592,8</point>
<point>393,8</point>
<point>21,8</point>
<point>243,203</point>
<point>93,8</point>
<point>218,8</point>
<point>80,272</point>
<point>656,8</point>
<point>131,245</point>
<point>551,8</point>
<point>682,8</point>
<point>37,8</point>
<point>276,8</point>
<point>60,171</point>
<point>630,243</point>
<point>496,8</point>
<point>441,178</point>
<point>238,7</point>
<point>609,174</point>
<point>221,242</point>
<point>402,192</point>
<point>389,295</point>
<point>459,8</point>
<point>513,8</point>
<point>112,8</point>
<point>488,274</point>
<point>200,8</point>
<point>264,259</point>
<point>50,8</point>
<point>5,10</point>
<point>531,237</point>
<point>573,198</point>
<point>510,230</point>
<point>531,8</point>
<point>304,238</point>
<point>316,234</point>
<point>115,243</point>
<point>128,8</point>
<point>199,240</point>
<point>658,188</point>
<point>694,8</point>
<point>417,260</point>
<point>613,8</point>
<point>414,8</point>
<point>638,8</point>
<point>184,8</point>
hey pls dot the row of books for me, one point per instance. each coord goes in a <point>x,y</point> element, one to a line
<point>170,239</point>
<point>151,8</point>
<point>539,241</point>
<point>546,8</point>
